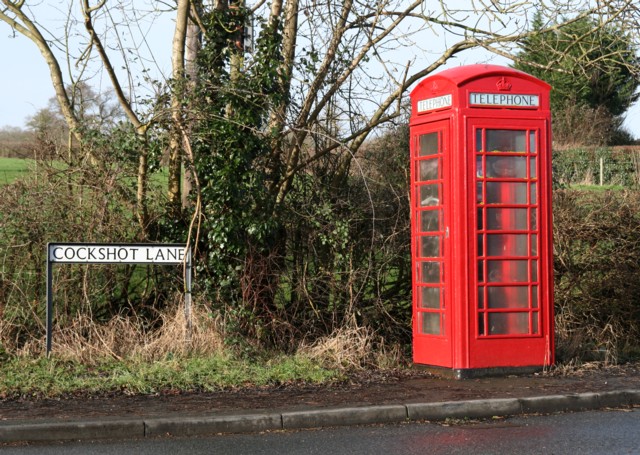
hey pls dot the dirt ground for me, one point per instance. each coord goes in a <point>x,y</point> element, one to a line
<point>363,389</point>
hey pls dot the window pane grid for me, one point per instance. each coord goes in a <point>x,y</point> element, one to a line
<point>507,233</point>
<point>429,172</point>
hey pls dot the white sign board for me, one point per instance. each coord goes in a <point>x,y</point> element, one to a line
<point>117,254</point>
<point>438,102</point>
<point>504,99</point>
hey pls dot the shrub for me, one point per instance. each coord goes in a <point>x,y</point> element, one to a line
<point>581,166</point>
<point>72,205</point>
<point>597,274</point>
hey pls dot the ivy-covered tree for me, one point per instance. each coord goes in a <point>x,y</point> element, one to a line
<point>593,69</point>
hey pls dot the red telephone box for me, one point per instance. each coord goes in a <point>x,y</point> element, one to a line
<point>481,221</point>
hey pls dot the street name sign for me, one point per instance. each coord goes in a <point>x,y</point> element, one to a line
<point>107,253</point>
<point>114,254</point>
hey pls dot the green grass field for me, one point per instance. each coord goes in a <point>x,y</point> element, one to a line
<point>14,168</point>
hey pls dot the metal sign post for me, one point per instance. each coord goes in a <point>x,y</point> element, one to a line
<point>106,253</point>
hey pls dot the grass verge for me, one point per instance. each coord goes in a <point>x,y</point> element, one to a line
<point>122,356</point>
<point>55,377</point>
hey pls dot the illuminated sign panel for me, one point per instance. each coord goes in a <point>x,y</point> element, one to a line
<point>438,102</point>
<point>504,99</point>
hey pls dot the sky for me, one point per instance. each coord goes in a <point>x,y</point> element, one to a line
<point>25,84</point>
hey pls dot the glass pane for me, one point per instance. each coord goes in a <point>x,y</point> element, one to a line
<point>534,323</point>
<point>506,167</point>
<point>479,171</point>
<point>430,220</point>
<point>534,270</point>
<point>480,271</point>
<point>508,323</point>
<point>506,141</point>
<point>532,168</point>
<point>478,140</point>
<point>507,245</point>
<point>429,195</point>
<point>429,169</point>
<point>430,272</point>
<point>429,298</point>
<point>506,193</point>
<point>430,247</point>
<point>508,297</point>
<point>533,194</point>
<point>507,219</point>
<point>534,245</point>
<point>480,220</point>
<point>481,297</point>
<point>532,141</point>
<point>481,324</point>
<point>480,245</point>
<point>431,323</point>
<point>534,219</point>
<point>534,296</point>
<point>428,144</point>
<point>479,197</point>
<point>508,271</point>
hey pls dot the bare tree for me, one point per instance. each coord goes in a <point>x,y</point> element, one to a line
<point>59,50</point>
<point>352,60</point>
<point>340,70</point>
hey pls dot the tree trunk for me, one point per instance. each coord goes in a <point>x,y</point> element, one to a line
<point>175,142</point>
<point>193,46</point>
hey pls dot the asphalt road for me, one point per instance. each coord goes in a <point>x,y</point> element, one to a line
<point>594,432</point>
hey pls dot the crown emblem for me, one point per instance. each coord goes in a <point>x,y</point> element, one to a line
<point>503,85</point>
<point>435,87</point>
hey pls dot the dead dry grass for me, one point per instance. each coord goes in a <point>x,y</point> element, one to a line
<point>86,341</point>
<point>352,348</point>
